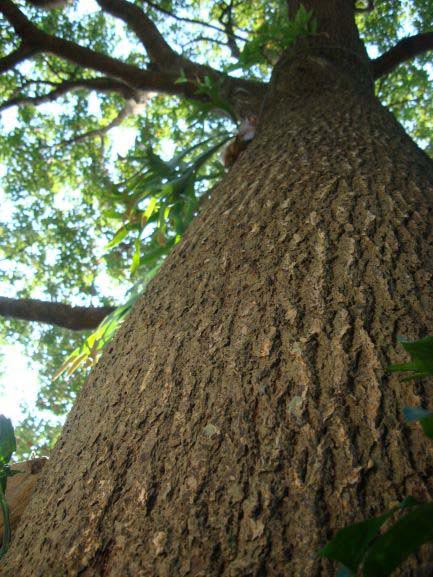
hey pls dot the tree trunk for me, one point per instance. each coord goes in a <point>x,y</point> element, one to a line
<point>243,413</point>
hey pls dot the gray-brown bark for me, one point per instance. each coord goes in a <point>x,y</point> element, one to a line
<point>243,413</point>
<point>75,318</point>
<point>20,489</point>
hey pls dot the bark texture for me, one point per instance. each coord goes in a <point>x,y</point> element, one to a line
<point>19,490</point>
<point>243,413</point>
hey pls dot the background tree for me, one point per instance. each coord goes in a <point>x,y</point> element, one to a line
<point>252,302</point>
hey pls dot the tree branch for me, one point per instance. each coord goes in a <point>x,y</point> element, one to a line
<point>157,48</point>
<point>19,55</point>
<point>102,84</point>
<point>49,4</point>
<point>226,19</point>
<point>237,91</point>
<point>403,51</point>
<point>66,316</point>
<point>86,57</point>
<point>189,20</point>
<point>129,108</point>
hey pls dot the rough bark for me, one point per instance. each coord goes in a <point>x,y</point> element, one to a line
<point>20,488</point>
<point>243,412</point>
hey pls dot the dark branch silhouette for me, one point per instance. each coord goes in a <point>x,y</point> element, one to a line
<point>161,78</point>
<point>49,4</point>
<point>226,19</point>
<point>19,55</point>
<point>403,51</point>
<point>190,20</point>
<point>102,84</point>
<point>157,48</point>
<point>131,107</point>
<point>62,315</point>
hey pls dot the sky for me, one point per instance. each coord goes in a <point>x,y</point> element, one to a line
<point>19,382</point>
<point>18,379</point>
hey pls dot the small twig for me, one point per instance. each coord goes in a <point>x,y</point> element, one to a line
<point>404,101</point>
<point>101,84</point>
<point>202,38</point>
<point>131,107</point>
<point>190,20</point>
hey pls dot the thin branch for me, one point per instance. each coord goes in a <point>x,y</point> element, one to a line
<point>86,57</point>
<point>59,314</point>
<point>49,4</point>
<point>157,48</point>
<point>189,20</point>
<point>130,108</point>
<point>404,101</point>
<point>235,90</point>
<point>202,38</point>
<point>403,51</point>
<point>22,53</point>
<point>102,84</point>
<point>226,19</point>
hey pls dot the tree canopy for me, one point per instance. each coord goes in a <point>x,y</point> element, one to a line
<point>113,117</point>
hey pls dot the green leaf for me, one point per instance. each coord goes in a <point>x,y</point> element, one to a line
<point>151,208</point>
<point>421,353</point>
<point>182,78</point>
<point>136,258</point>
<point>7,440</point>
<point>118,237</point>
<point>401,540</point>
<point>427,426</point>
<point>350,544</point>
<point>213,90</point>
<point>158,165</point>
<point>6,524</point>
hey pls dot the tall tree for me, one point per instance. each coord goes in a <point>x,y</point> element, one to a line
<point>242,411</point>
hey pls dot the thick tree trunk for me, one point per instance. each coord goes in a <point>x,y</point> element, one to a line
<point>243,412</point>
